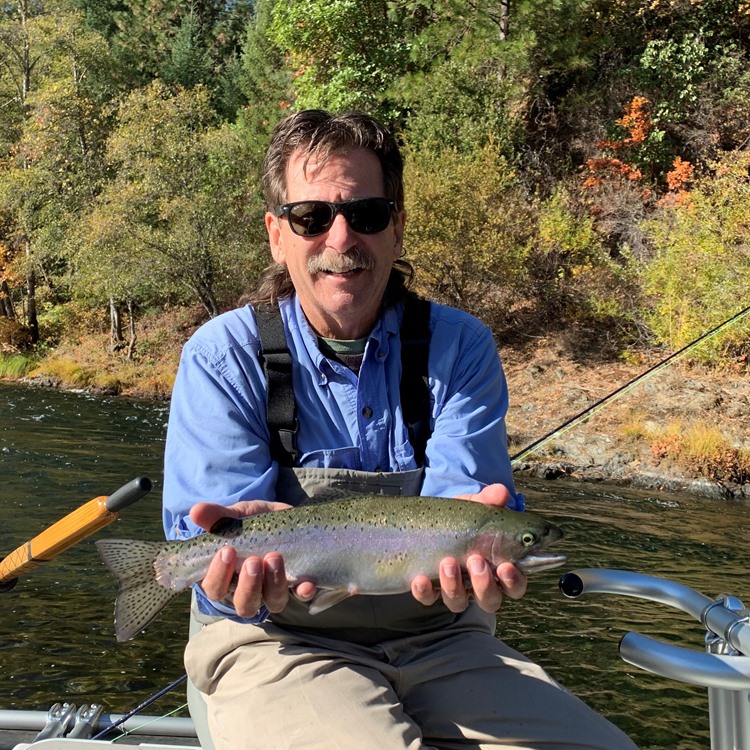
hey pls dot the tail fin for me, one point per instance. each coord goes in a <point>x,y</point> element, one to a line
<point>140,597</point>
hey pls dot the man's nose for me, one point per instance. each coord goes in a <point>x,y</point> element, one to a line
<point>341,236</point>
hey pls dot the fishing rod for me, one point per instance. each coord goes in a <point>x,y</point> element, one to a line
<point>623,389</point>
<point>140,707</point>
<point>69,530</point>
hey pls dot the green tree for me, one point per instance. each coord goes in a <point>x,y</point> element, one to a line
<point>189,62</point>
<point>184,199</point>
<point>54,166</point>
<point>468,230</point>
<point>264,79</point>
<point>344,54</point>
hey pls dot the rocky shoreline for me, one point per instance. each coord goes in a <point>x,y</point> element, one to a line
<point>615,444</point>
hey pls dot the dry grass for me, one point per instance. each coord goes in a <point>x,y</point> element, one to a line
<point>88,362</point>
<point>702,449</point>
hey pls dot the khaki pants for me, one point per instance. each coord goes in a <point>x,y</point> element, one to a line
<point>268,688</point>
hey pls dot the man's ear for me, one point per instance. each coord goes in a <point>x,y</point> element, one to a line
<point>273,227</point>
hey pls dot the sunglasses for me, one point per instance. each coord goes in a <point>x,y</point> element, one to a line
<point>364,216</point>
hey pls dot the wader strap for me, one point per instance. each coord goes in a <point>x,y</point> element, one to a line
<point>415,391</point>
<point>281,407</point>
<point>276,360</point>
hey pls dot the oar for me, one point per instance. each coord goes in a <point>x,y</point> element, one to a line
<point>69,530</point>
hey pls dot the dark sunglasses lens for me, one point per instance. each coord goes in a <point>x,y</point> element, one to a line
<point>310,218</point>
<point>368,216</point>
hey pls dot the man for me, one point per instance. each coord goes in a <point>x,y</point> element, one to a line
<point>418,670</point>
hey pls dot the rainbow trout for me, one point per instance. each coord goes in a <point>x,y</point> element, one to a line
<point>370,544</point>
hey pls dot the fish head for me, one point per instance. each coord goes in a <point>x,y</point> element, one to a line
<point>524,542</point>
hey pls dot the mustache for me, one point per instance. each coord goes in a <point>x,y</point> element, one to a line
<point>352,260</point>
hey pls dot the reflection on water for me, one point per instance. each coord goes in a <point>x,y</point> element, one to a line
<point>56,636</point>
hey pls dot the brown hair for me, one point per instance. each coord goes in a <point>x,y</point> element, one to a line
<point>319,135</point>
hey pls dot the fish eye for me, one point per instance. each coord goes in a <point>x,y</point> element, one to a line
<point>528,538</point>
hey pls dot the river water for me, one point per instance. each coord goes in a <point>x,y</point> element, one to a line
<point>58,450</point>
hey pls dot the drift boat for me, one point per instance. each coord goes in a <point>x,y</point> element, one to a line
<point>723,668</point>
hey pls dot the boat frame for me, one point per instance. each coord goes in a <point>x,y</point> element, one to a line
<point>724,667</point>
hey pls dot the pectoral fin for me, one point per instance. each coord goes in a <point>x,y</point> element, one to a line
<point>327,598</point>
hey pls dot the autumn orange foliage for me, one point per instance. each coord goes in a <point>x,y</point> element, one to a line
<point>637,124</point>
<point>681,174</point>
<point>600,169</point>
<point>636,121</point>
<point>678,178</point>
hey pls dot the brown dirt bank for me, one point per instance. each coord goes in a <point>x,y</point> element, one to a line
<point>627,441</point>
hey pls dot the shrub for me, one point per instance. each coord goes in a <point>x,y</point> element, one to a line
<point>14,336</point>
<point>703,450</point>
<point>701,270</point>
<point>468,229</point>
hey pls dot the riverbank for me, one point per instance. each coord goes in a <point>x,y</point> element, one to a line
<point>683,429</point>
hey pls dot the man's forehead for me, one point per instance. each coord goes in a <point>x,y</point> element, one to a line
<point>305,166</point>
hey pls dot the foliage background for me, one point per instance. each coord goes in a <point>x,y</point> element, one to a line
<point>576,168</point>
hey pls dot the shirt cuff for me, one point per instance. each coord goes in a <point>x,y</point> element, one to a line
<point>213,608</point>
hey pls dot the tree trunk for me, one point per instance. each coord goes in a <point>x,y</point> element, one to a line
<point>116,340</point>
<point>131,326</point>
<point>504,19</point>
<point>31,317</point>
<point>6,303</point>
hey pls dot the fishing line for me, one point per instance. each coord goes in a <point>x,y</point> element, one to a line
<point>155,697</point>
<point>623,389</point>
<point>143,726</point>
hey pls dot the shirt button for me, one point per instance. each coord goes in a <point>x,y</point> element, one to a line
<point>367,412</point>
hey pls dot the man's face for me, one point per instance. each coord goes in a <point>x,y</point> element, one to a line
<point>339,297</point>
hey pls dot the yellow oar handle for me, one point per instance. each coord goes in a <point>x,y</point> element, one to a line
<point>82,522</point>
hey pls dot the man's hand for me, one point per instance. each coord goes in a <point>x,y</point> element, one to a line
<point>258,580</point>
<point>487,592</point>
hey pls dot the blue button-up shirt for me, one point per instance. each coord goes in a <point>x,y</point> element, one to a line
<point>217,447</point>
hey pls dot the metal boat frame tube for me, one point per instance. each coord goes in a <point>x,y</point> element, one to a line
<point>724,669</point>
<point>157,726</point>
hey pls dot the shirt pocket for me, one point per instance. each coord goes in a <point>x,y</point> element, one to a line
<point>337,458</point>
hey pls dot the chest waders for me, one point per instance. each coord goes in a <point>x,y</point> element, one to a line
<point>362,619</point>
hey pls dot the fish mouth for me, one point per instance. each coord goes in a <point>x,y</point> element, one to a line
<point>540,562</point>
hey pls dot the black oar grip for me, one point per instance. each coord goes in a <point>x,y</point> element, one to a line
<point>128,494</point>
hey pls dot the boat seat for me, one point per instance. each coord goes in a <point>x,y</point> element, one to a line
<point>196,704</point>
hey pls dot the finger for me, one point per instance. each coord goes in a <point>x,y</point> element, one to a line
<point>487,594</point>
<point>220,572</point>
<point>452,588</point>
<point>423,591</point>
<point>511,580</point>
<point>248,594</point>
<point>492,494</point>
<point>207,515</point>
<point>306,591</point>
<point>275,585</point>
